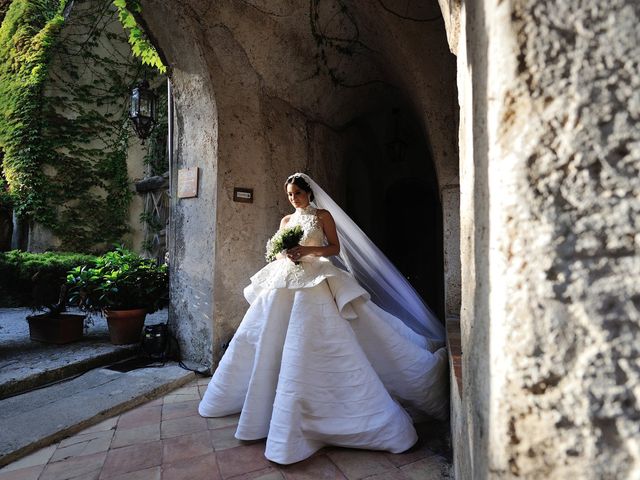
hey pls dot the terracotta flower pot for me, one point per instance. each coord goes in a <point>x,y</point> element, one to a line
<point>125,326</point>
<point>59,329</point>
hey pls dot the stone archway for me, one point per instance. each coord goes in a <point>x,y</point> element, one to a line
<point>546,216</point>
<point>260,94</point>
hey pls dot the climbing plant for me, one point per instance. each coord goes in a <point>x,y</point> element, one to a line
<point>65,131</point>
<point>140,44</point>
<point>27,37</point>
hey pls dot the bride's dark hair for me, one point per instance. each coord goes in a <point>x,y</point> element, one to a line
<point>299,182</point>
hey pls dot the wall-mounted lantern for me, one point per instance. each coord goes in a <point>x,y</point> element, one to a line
<point>143,112</point>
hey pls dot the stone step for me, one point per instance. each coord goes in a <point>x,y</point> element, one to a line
<point>40,417</point>
<point>36,368</point>
<point>26,364</point>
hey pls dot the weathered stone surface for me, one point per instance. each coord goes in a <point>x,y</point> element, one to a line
<point>579,179</point>
<point>549,195</point>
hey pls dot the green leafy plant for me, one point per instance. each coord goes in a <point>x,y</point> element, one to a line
<point>283,240</point>
<point>140,44</point>
<point>119,280</point>
<point>34,279</point>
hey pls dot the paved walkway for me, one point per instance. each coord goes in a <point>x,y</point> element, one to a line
<point>167,439</point>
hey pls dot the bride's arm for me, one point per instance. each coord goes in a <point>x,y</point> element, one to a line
<point>333,244</point>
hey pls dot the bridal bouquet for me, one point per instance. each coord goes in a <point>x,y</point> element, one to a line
<point>283,240</point>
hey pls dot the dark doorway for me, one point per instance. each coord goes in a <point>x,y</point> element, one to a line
<point>392,193</point>
<point>413,238</point>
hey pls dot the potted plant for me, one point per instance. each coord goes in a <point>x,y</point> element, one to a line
<point>122,286</point>
<point>56,325</point>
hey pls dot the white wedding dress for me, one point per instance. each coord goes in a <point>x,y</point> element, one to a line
<point>314,362</point>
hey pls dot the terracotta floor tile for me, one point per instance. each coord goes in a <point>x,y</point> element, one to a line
<point>85,467</point>
<point>140,416</point>
<point>182,426</point>
<point>28,473</point>
<point>434,467</point>
<point>153,403</point>
<point>39,457</point>
<point>318,467</point>
<point>132,436</point>
<point>203,381</point>
<point>186,446</point>
<point>153,473</point>
<point>198,468</point>
<point>177,398</point>
<point>270,473</point>
<point>243,459</point>
<point>189,389</point>
<point>108,424</point>
<point>219,422</point>
<point>131,459</point>
<point>390,475</point>
<point>179,410</point>
<point>357,464</point>
<point>224,438</point>
<point>84,437</point>
<point>97,444</point>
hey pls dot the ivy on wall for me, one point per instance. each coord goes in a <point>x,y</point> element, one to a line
<point>64,130</point>
<point>140,44</point>
<point>27,37</point>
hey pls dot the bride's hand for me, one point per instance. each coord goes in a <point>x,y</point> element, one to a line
<point>296,253</point>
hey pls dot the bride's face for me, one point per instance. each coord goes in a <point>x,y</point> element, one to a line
<point>297,197</point>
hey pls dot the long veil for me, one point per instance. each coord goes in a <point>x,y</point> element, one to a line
<point>389,289</point>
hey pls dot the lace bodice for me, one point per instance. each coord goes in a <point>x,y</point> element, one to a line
<point>307,218</point>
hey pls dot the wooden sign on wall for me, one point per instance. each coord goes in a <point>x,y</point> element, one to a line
<point>188,182</point>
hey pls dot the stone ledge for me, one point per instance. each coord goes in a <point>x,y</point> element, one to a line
<point>455,350</point>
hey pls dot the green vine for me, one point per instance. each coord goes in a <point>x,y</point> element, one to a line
<point>64,129</point>
<point>27,37</point>
<point>140,45</point>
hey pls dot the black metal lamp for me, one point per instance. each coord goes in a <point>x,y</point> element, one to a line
<point>143,112</point>
<point>396,147</point>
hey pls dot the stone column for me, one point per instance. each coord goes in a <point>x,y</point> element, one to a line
<point>451,244</point>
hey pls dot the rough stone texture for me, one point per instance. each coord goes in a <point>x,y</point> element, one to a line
<point>549,195</point>
<point>255,102</point>
<point>578,371</point>
<point>451,246</point>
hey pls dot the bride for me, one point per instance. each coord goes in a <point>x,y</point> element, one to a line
<point>326,354</point>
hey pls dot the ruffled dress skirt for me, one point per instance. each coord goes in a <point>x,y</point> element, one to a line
<point>314,363</point>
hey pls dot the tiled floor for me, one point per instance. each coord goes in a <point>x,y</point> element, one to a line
<point>167,439</point>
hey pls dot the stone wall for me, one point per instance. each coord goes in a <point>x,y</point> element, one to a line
<point>549,222</point>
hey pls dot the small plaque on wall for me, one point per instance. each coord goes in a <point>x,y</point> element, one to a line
<point>188,182</point>
<point>244,195</point>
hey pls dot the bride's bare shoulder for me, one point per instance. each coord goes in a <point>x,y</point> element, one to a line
<point>322,214</point>
<point>285,220</point>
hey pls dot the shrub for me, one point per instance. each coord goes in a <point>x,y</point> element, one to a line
<point>34,279</point>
